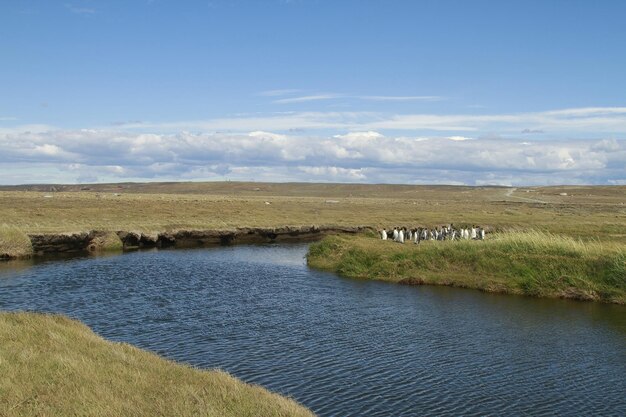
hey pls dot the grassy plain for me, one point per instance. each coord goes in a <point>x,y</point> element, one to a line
<point>526,263</point>
<point>586,212</point>
<point>54,366</point>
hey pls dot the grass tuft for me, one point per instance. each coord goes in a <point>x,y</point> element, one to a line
<point>14,243</point>
<point>106,242</point>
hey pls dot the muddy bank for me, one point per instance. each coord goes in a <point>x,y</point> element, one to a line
<point>47,244</point>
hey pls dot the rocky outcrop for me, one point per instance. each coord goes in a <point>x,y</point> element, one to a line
<point>90,241</point>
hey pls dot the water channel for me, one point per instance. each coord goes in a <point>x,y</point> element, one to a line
<point>341,347</point>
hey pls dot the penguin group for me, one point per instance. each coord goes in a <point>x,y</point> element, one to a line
<point>416,235</point>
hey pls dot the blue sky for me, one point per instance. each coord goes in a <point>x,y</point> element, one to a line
<point>477,92</point>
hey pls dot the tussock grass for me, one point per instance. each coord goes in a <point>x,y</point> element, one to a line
<point>53,366</point>
<point>529,263</point>
<point>14,243</point>
<point>106,242</point>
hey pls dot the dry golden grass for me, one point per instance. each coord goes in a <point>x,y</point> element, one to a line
<point>106,242</point>
<point>53,366</point>
<point>14,243</point>
<point>586,212</point>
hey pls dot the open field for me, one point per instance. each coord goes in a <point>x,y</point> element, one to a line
<point>585,212</point>
<point>527,263</point>
<point>54,366</point>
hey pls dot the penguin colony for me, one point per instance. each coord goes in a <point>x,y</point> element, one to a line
<point>416,235</point>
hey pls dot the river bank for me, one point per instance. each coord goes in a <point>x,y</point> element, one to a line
<point>530,263</point>
<point>15,244</point>
<point>51,365</point>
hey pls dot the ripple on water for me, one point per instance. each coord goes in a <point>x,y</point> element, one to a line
<point>343,347</point>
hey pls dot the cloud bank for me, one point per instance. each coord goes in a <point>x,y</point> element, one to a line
<point>92,155</point>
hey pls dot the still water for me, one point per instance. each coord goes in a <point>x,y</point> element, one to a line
<point>341,347</point>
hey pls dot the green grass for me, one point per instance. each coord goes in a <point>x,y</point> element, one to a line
<point>14,243</point>
<point>529,263</point>
<point>54,366</point>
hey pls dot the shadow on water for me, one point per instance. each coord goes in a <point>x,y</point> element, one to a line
<point>9,268</point>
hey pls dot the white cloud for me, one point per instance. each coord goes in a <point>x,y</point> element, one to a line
<point>606,145</point>
<point>564,123</point>
<point>48,150</point>
<point>587,111</point>
<point>303,99</point>
<point>330,96</point>
<point>278,93</point>
<point>458,138</point>
<point>338,174</point>
<point>79,10</point>
<point>331,146</point>
<point>355,156</point>
<point>401,98</point>
<point>30,128</point>
<point>269,135</point>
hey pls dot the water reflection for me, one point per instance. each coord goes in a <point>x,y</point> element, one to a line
<point>11,267</point>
